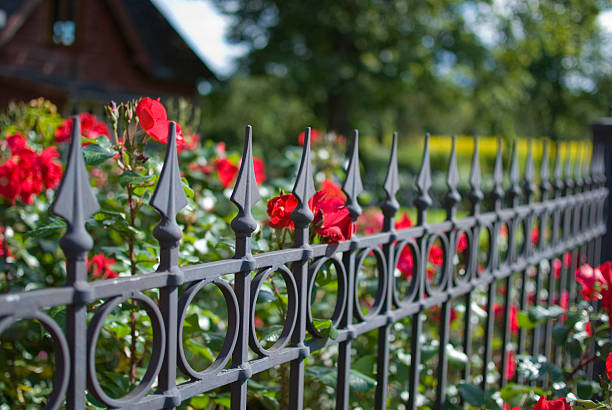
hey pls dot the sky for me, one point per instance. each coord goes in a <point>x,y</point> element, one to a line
<point>204,29</point>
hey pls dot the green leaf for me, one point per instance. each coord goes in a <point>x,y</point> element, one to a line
<point>473,395</point>
<point>133,178</point>
<point>94,154</point>
<point>49,228</point>
<point>360,382</point>
<point>559,334</point>
<point>524,321</point>
<point>588,404</point>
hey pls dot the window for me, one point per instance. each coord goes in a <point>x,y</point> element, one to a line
<point>63,24</point>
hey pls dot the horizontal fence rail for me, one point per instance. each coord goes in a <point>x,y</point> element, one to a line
<point>572,200</point>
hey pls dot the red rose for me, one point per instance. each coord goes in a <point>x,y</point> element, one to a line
<point>436,255</point>
<point>403,223</point>
<point>510,370</point>
<point>337,225</point>
<point>51,169</point>
<point>9,180</point>
<point>559,404</point>
<point>609,366</point>
<point>535,235</point>
<point>556,268</point>
<point>371,221</point>
<point>498,311</point>
<point>590,279</point>
<point>279,210</point>
<point>153,120</point>
<point>100,266</point>
<point>315,135</point>
<point>462,242</point>
<point>332,190</point>
<point>260,170</point>
<point>91,128</point>
<point>405,263</point>
<point>226,171</point>
<point>16,142</point>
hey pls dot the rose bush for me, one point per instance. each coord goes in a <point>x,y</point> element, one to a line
<point>124,154</point>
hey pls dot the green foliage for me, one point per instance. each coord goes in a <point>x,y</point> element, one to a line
<point>524,68</point>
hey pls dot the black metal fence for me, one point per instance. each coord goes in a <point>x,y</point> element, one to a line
<point>571,201</point>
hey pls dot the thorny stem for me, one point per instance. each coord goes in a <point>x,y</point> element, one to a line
<point>583,363</point>
<point>133,361</point>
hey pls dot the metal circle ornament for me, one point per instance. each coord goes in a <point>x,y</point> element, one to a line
<point>157,354</point>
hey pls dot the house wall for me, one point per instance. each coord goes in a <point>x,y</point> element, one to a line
<point>104,60</point>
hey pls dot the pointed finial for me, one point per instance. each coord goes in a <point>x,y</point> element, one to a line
<point>558,172</point>
<point>578,164</point>
<point>475,193</point>
<point>497,194</point>
<point>515,189</point>
<point>452,197</point>
<point>169,196</point>
<point>544,172</point>
<point>352,184</point>
<point>304,187</point>
<point>569,182</point>
<point>528,185</point>
<point>423,184</point>
<point>75,201</point>
<point>587,167</point>
<point>245,195</point>
<point>390,204</point>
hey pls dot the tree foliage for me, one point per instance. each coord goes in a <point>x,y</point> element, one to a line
<point>531,68</point>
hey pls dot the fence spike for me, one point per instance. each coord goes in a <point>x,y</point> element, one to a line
<point>304,187</point>
<point>391,186</point>
<point>75,201</point>
<point>558,172</point>
<point>169,196</point>
<point>475,194</point>
<point>497,194</point>
<point>587,166</point>
<point>352,184</point>
<point>569,182</point>
<point>423,184</point>
<point>244,196</point>
<point>452,197</point>
<point>544,172</point>
<point>515,189</point>
<point>578,165</point>
<point>528,184</point>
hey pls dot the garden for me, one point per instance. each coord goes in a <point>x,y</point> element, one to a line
<point>546,330</point>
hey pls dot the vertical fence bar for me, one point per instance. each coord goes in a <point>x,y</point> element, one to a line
<point>245,195</point>
<point>451,200</point>
<point>527,248</point>
<point>168,199</point>
<point>514,194</point>
<point>352,187</point>
<point>422,202</point>
<point>602,144</point>
<point>303,190</point>
<point>545,188</point>
<point>74,203</point>
<point>389,207</point>
<point>557,234</point>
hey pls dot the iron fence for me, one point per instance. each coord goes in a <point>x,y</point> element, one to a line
<point>571,202</point>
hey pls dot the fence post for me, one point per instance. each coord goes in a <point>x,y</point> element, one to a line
<point>602,143</point>
<point>74,203</point>
<point>169,198</point>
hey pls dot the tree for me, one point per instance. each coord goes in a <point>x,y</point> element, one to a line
<point>441,65</point>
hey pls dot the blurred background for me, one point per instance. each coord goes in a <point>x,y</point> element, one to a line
<point>493,67</point>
